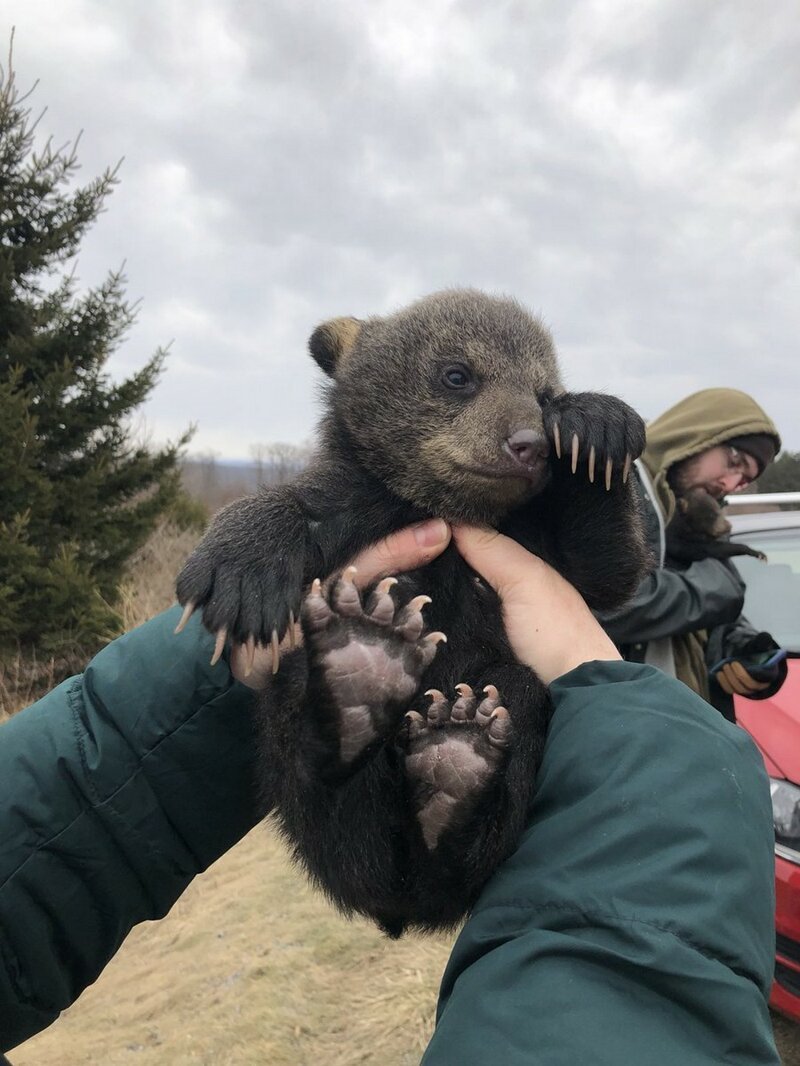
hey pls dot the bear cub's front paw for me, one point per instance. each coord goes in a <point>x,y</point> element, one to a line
<point>246,575</point>
<point>602,431</point>
<point>367,660</point>
<point>452,756</point>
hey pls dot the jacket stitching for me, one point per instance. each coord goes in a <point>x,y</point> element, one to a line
<point>96,800</point>
<point>74,701</point>
<point>107,804</point>
<point>584,917</point>
<point>96,803</point>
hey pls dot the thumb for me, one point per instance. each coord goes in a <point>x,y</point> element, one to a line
<point>547,622</point>
<point>498,559</point>
<point>407,549</point>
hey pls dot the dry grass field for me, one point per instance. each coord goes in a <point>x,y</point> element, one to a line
<point>251,966</point>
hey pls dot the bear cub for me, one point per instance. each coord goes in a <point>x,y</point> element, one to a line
<point>400,767</point>
<point>698,530</point>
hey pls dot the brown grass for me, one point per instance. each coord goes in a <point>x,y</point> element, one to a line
<point>147,589</point>
<point>251,966</point>
<point>23,680</point>
<point>150,584</point>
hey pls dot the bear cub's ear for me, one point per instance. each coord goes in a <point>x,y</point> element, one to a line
<point>331,342</point>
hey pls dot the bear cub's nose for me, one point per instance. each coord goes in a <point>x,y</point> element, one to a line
<point>528,447</point>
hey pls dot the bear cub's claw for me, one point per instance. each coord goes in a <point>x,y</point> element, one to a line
<point>601,431</point>
<point>369,658</point>
<point>452,755</point>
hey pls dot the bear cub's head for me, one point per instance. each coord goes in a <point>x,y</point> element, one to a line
<point>699,514</point>
<point>443,400</point>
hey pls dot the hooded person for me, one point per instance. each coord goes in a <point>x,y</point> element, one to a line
<point>686,620</point>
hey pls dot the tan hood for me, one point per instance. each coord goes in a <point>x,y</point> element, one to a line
<point>697,423</point>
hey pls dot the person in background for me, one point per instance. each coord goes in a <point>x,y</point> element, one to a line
<point>687,620</point>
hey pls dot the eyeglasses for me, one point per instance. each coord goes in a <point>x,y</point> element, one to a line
<point>739,463</point>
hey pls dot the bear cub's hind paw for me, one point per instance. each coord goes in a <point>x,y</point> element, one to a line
<point>452,756</point>
<point>369,659</point>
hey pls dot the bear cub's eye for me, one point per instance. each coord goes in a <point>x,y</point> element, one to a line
<point>457,376</point>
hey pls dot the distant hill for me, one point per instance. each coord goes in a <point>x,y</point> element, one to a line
<point>216,482</point>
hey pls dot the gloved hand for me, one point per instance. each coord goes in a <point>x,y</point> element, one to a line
<point>735,679</point>
<point>758,665</point>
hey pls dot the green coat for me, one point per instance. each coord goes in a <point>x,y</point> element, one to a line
<point>633,925</point>
<point>118,787</point>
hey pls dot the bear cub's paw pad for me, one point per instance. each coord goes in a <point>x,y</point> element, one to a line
<point>452,755</point>
<point>371,656</point>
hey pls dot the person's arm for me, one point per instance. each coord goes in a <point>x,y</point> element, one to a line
<point>120,786</point>
<point>635,921</point>
<point>671,602</point>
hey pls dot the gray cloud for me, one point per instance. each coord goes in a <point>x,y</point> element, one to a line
<point>628,171</point>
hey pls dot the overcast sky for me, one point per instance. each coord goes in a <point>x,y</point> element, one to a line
<point>628,170</point>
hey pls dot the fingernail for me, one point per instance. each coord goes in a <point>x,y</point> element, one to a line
<point>429,533</point>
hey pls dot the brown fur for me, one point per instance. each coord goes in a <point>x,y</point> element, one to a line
<point>698,530</point>
<point>420,440</point>
<point>424,411</point>
<point>331,342</point>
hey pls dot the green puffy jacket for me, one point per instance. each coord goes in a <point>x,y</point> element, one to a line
<point>118,787</point>
<point>633,925</point>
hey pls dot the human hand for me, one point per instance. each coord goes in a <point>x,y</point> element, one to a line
<point>548,624</point>
<point>408,549</point>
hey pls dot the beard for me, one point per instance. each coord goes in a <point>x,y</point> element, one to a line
<point>684,476</point>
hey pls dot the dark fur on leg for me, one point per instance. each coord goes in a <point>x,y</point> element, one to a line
<point>357,833</point>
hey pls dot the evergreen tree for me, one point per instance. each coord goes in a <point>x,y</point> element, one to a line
<point>78,494</point>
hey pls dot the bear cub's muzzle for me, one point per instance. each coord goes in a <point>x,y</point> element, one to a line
<point>529,450</point>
